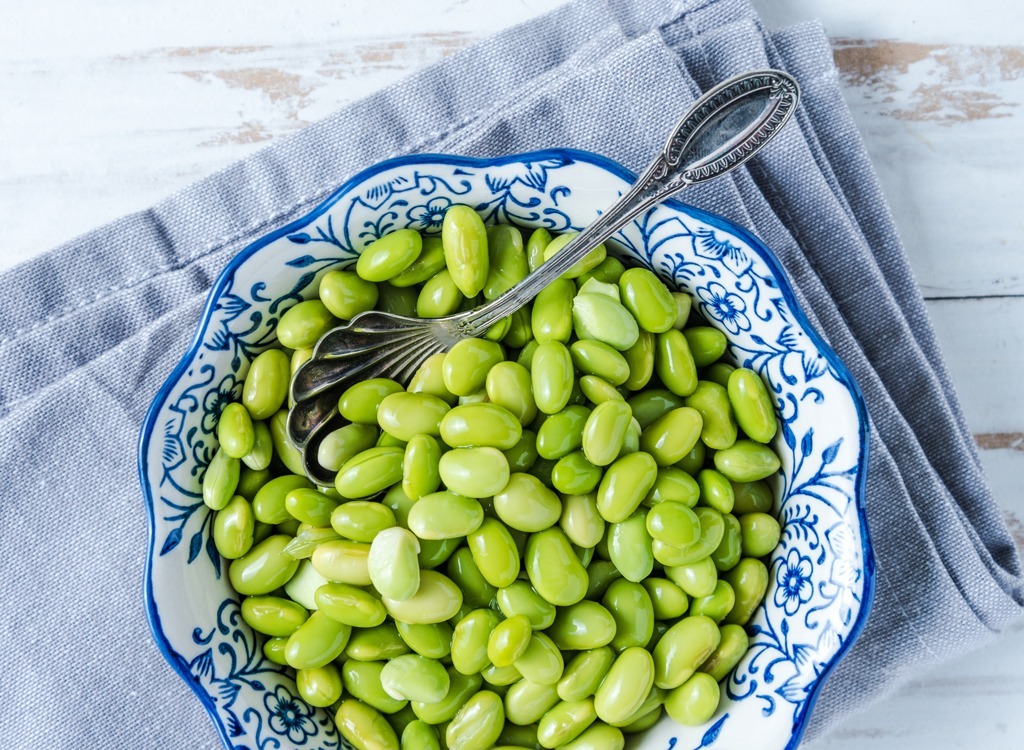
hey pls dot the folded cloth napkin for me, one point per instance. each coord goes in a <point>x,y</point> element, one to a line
<point>89,331</point>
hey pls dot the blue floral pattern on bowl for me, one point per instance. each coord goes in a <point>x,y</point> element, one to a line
<point>821,574</point>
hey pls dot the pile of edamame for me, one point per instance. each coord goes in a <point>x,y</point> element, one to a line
<point>551,536</point>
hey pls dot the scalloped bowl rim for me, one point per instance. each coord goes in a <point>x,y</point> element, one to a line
<point>223,279</point>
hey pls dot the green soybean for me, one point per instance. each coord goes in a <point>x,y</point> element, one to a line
<point>494,552</point>
<point>526,702</point>
<point>429,262</point>
<point>262,452</point>
<point>508,386</point>
<point>587,263</point>
<point>404,415</point>
<point>464,238</point>
<point>715,490</point>
<point>474,472</point>
<point>350,605</point>
<point>470,639</point>
<point>304,323</point>
<point>551,315</point>
<point>273,615</point>
<point>731,649</point>
<point>482,424</point>
<point>631,606</point>
<point>310,506</point>
<point>361,520</point>
<point>565,722</point>
<point>541,662</point>
<point>553,568</point>
<point>393,564</point>
<point>525,504</point>
<point>251,480</point>
<point>266,384</point>
<point>263,568</point>
<point>640,358</point>
<point>752,497</point>
<point>715,605</point>
<point>669,438</point>
<point>445,515</point>
<point>388,256</point>
<point>752,405</point>
<point>598,736</point>
<point>581,521</point>
<point>418,735</point>
<point>439,296</point>
<point>359,403</point>
<point>467,363</point>
<point>320,686</point>
<point>630,547</point>
<point>342,444</point>
<point>695,701</point>
<point>420,473</point>
<point>343,561</point>
<point>582,626</point>
<point>519,598</point>
<point>433,640</point>
<point>684,303</point>
<point>269,505</point>
<point>682,649</point>
<point>573,474</point>
<point>233,528</point>
<point>707,344</point>
<point>668,601</point>
<point>747,461</point>
<point>597,317</point>
<point>562,433</point>
<point>416,678</point>
<point>364,727</point>
<point>476,590</point>
<point>506,260</point>
<point>673,485</point>
<point>760,534</point>
<point>674,363</point>
<point>605,432</point>
<point>584,673</point>
<point>369,472</point>
<point>649,301</point>
<point>477,724</point>
<point>593,357</point>
<point>508,640</point>
<point>624,484</point>
<point>461,688</point>
<point>627,685</point>
<point>697,579</point>
<point>674,523</point>
<point>437,599</point>
<point>712,401</point>
<point>273,649</point>
<point>318,641</point>
<point>220,480</point>
<point>376,644</point>
<point>302,586</point>
<point>346,294</point>
<point>552,377</point>
<point>539,239</point>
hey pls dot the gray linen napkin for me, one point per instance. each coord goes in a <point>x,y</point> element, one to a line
<point>89,331</point>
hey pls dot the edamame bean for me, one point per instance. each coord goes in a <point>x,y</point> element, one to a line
<point>524,503</point>
<point>730,651</point>
<point>519,598</point>
<point>393,564</point>
<point>344,443</point>
<point>715,490</point>
<point>674,523</point>
<point>539,239</point>
<point>551,374</point>
<point>599,736</point>
<point>269,505</point>
<point>752,405</point>
<point>318,641</point>
<point>581,521</point>
<point>682,649</point>
<point>652,404</point>
<point>554,570</point>
<point>508,386</point>
<point>668,601</point>
<point>233,528</point>
<point>310,506</point>
<point>551,316</point>
<point>273,615</point>
<point>369,472</point>
<point>360,402</point>
<point>464,238</point>
<point>470,639</point>
<point>266,384</point>
<point>669,438</point>
<point>445,515</point>
<point>715,605</point>
<point>388,256</point>
<point>624,485</point>
<point>346,295</point>
<point>439,296</point>
<point>565,722</point>
<point>684,303</point>
<point>508,640</point>
<point>302,586</point>
<point>712,401</point>
<point>273,649</point>
<point>467,363</point>
<point>494,552</point>
<point>587,263</point>
<point>350,605</point>
<point>526,702</point>
<point>695,701</point>
<point>307,539</point>
<point>597,390</point>
<point>596,316</point>
<point>263,568</point>
<point>673,485</point>
<point>461,688</point>
<point>429,262</point>
<point>592,357</point>
<point>506,260</point>
<point>250,481</point>
<point>405,415</point>
<point>584,673</point>
<point>640,358</point>
<point>476,591</point>
<point>631,606</point>
<point>482,424</point>
<point>747,461</point>
<point>375,645</point>
<point>319,687</point>
<point>751,497</point>
<point>220,480</point>
<point>582,626</point>
<point>627,685</point>
<point>712,528</point>
<point>697,579</point>
<point>648,300</point>
<point>674,363</point>
<point>760,534</point>
<point>343,561</point>
<point>477,723</point>
<point>416,678</point>
<point>262,452</point>
<point>707,344</point>
<point>605,432</point>
<point>304,323</point>
<point>631,548</point>
<point>541,662</point>
<point>573,474</point>
<point>601,572</point>
<point>433,640</point>
<point>729,550</point>
<point>437,599</point>
<point>364,727</point>
<point>419,735</point>
<point>474,472</point>
<point>361,520</point>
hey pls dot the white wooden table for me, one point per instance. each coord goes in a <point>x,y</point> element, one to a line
<point>106,108</point>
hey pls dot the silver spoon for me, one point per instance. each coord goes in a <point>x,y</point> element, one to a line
<point>724,128</point>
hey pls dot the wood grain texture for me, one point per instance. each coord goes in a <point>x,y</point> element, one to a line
<point>109,107</point>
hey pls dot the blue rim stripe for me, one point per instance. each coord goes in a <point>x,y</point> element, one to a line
<point>179,664</point>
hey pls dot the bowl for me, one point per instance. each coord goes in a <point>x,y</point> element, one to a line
<point>821,574</point>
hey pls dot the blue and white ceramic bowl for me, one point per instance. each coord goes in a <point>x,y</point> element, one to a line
<point>821,573</point>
